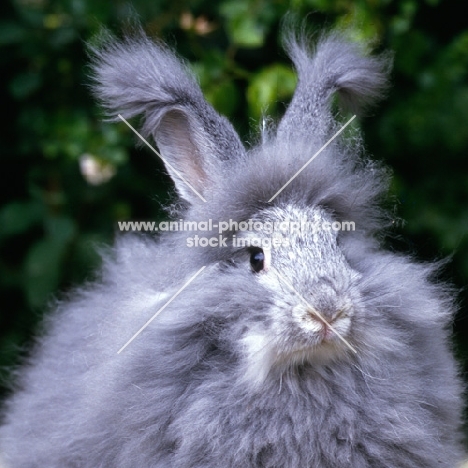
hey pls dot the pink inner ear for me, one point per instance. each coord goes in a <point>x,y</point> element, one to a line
<point>177,143</point>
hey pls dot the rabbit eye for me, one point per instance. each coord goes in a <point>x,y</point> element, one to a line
<point>257,260</point>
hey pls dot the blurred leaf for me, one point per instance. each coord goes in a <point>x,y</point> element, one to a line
<point>56,20</point>
<point>211,68</point>
<point>60,229</point>
<point>44,261</point>
<point>42,271</point>
<point>402,22</point>
<point>25,84</point>
<point>244,26</point>
<point>269,86</point>
<point>18,217</point>
<point>224,97</point>
<point>62,37</point>
<point>11,32</point>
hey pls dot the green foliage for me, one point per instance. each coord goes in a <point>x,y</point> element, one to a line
<point>268,87</point>
<point>67,177</point>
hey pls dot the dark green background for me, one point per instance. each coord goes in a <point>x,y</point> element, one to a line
<point>52,221</point>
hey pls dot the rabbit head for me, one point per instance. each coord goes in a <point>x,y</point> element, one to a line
<point>291,258</point>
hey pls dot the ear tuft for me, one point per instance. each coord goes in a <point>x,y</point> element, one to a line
<point>138,76</point>
<point>337,65</point>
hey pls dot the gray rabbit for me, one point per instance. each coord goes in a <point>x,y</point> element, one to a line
<point>292,347</point>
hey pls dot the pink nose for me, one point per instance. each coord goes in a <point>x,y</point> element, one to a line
<point>326,333</point>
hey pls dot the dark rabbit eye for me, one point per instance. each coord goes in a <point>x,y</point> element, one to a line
<point>257,259</point>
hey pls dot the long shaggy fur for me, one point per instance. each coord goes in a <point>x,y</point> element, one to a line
<point>231,372</point>
<point>358,82</point>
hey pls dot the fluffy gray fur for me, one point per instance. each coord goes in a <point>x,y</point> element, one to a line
<point>235,371</point>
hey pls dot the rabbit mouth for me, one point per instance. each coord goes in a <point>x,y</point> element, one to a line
<point>317,350</point>
<point>307,342</point>
<point>315,342</point>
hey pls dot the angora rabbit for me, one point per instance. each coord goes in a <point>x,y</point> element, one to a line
<point>300,344</point>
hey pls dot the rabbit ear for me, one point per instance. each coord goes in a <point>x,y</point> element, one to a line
<point>140,77</point>
<point>338,66</point>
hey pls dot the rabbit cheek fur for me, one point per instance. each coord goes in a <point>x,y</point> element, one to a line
<point>238,370</point>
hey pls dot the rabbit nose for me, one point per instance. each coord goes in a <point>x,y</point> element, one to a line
<point>326,308</point>
<point>324,300</point>
<point>324,317</point>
